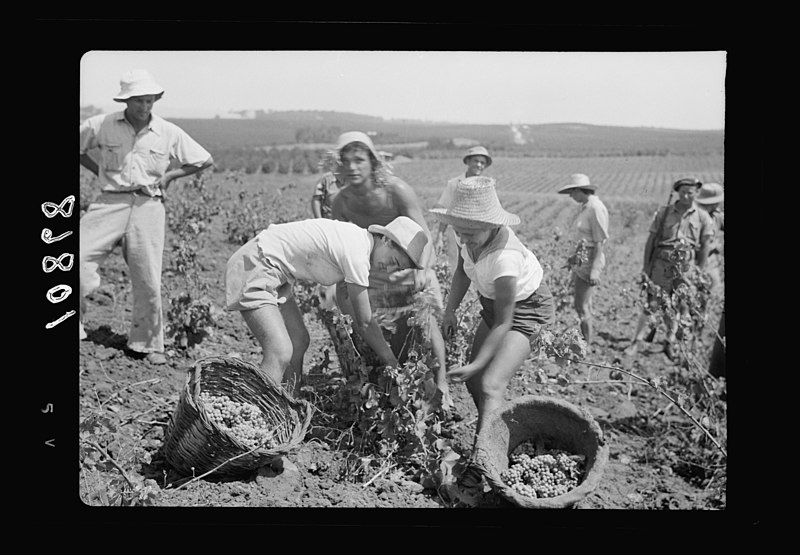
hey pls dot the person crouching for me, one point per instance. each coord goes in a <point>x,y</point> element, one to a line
<point>260,275</point>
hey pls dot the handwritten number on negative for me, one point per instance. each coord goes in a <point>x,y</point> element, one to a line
<point>47,236</point>
<point>52,210</point>
<point>50,263</point>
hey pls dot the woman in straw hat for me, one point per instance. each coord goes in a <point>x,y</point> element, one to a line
<point>511,289</point>
<point>260,274</point>
<point>134,169</point>
<point>591,227</point>
<point>373,195</point>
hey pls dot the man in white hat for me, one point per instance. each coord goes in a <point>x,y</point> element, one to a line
<point>135,148</point>
<point>591,230</point>
<point>372,195</point>
<point>476,159</point>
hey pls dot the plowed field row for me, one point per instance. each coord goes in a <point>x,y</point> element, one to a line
<point>644,177</point>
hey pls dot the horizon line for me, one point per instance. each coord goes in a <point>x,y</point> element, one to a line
<point>224,115</point>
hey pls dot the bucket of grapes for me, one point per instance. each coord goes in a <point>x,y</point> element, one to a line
<point>541,453</point>
<point>231,419</point>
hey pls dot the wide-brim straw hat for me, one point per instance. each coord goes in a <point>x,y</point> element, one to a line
<point>478,151</point>
<point>475,205</point>
<point>710,193</point>
<point>407,234</point>
<point>577,181</point>
<point>687,181</point>
<point>137,82</point>
<point>356,137</point>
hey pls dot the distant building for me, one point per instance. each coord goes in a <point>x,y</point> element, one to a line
<point>519,139</point>
<point>244,114</point>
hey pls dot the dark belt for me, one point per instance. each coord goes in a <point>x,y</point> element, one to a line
<point>136,193</point>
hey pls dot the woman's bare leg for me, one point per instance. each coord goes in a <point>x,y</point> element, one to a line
<point>583,306</point>
<point>493,381</point>
<point>267,325</point>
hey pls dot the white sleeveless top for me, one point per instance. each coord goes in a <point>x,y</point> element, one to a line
<point>504,256</point>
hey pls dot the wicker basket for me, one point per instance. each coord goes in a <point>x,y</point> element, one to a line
<point>194,445</point>
<point>554,424</point>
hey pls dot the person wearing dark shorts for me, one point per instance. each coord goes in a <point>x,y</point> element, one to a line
<point>529,314</point>
<point>510,283</point>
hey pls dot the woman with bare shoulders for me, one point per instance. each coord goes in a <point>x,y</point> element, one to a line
<point>373,196</point>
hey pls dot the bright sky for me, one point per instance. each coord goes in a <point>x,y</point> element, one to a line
<point>680,90</point>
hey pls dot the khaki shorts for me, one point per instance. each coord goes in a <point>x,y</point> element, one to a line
<point>666,274</point>
<point>250,280</point>
<point>585,269</point>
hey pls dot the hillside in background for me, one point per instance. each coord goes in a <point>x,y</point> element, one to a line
<point>398,136</point>
<point>296,141</point>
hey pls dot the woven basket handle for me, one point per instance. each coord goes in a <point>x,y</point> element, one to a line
<point>194,379</point>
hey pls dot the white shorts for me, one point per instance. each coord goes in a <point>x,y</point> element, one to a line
<point>251,281</point>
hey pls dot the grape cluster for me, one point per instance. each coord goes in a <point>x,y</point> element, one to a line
<point>542,473</point>
<point>242,420</point>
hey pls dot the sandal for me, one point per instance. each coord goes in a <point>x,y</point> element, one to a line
<point>156,358</point>
<point>471,477</point>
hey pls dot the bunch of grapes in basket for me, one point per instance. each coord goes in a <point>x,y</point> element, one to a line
<point>242,420</point>
<point>542,473</point>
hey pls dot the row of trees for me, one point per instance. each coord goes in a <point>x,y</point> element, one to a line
<point>318,134</point>
<point>273,160</point>
<point>307,161</point>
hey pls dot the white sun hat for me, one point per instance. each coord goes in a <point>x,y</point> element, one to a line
<point>137,82</point>
<point>475,205</point>
<point>478,151</point>
<point>407,234</point>
<point>357,137</point>
<point>578,181</point>
<point>710,193</point>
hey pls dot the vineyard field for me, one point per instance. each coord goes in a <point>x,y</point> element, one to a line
<point>635,177</point>
<point>656,460</point>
